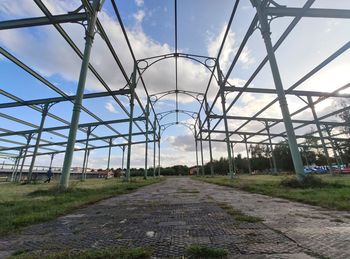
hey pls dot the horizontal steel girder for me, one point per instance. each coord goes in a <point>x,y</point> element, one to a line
<point>90,148</point>
<point>61,99</point>
<point>38,21</point>
<point>331,123</point>
<point>23,145</point>
<point>84,125</point>
<point>38,109</point>
<point>47,83</point>
<point>253,134</point>
<point>259,143</point>
<point>78,141</point>
<point>311,12</point>
<point>293,92</point>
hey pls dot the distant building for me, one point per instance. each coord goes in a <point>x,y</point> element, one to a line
<point>105,174</point>
<point>193,170</point>
<point>76,170</point>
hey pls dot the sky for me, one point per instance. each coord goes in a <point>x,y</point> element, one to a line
<point>150,28</point>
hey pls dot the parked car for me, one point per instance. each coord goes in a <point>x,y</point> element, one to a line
<point>343,170</point>
<point>316,169</point>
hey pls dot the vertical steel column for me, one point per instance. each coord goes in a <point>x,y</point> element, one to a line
<point>51,160</point>
<point>158,152</point>
<point>123,157</point>
<point>89,38</point>
<point>223,102</point>
<point>40,130</point>
<point>333,147</point>
<point>132,99</point>
<point>317,122</point>
<point>196,145</point>
<point>201,144</point>
<point>209,138</point>
<point>154,145</point>
<point>15,167</point>
<point>83,176</point>
<point>293,145</point>
<point>88,133</point>
<point>29,138</point>
<point>271,148</point>
<point>87,161</point>
<point>340,153</point>
<point>233,160</point>
<point>247,150</point>
<point>302,151</point>
<point>270,159</point>
<point>109,153</point>
<point>146,145</point>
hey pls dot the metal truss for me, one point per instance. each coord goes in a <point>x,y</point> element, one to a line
<point>87,15</point>
<point>207,124</point>
<point>266,11</point>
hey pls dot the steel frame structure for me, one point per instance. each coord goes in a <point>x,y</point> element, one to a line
<point>206,123</point>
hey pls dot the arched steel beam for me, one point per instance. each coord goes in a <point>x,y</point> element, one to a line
<point>195,95</point>
<point>208,62</point>
<point>164,127</point>
<point>145,63</point>
<point>162,115</point>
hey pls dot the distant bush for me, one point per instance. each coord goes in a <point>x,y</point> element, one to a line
<point>309,181</point>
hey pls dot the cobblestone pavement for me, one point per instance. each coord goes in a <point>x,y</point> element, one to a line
<point>173,214</point>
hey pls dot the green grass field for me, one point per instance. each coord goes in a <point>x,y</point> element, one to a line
<point>22,205</point>
<point>335,195</point>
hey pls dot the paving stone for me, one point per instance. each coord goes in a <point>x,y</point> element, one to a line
<point>177,220</point>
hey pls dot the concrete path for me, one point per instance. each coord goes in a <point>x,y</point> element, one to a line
<point>173,214</point>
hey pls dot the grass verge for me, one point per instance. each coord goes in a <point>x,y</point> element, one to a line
<point>238,215</point>
<point>106,253</point>
<point>22,205</point>
<point>331,192</point>
<point>200,251</point>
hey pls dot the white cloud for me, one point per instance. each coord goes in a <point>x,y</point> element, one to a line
<point>139,2</point>
<point>229,50</point>
<point>182,143</point>
<point>110,107</point>
<point>45,50</point>
<point>9,8</point>
<point>139,15</point>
